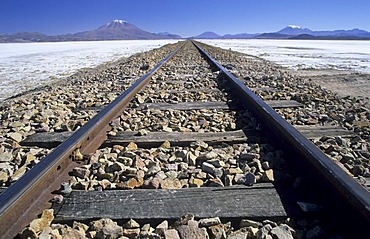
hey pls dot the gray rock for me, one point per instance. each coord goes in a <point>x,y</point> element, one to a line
<point>215,182</point>
<point>234,171</point>
<point>208,168</point>
<point>347,158</point>
<point>81,172</point>
<point>247,157</point>
<point>171,174</point>
<point>65,188</point>
<point>162,228</point>
<point>45,234</point>
<point>191,159</point>
<point>183,166</point>
<point>192,231</point>
<point>263,232</point>
<point>131,224</point>
<point>239,178</point>
<point>208,156</point>
<point>256,163</point>
<point>153,170</point>
<point>106,228</point>
<point>116,166</point>
<point>358,170</point>
<point>172,166</point>
<point>3,177</point>
<point>217,232</point>
<point>129,171</point>
<point>70,233</point>
<point>272,223</point>
<point>57,199</point>
<point>184,220</point>
<point>6,157</point>
<point>281,232</point>
<point>248,179</point>
<point>181,154</point>
<point>309,207</point>
<point>142,132</point>
<point>219,172</point>
<point>171,183</point>
<point>144,67</point>
<point>15,136</point>
<point>152,183</point>
<point>129,154</point>
<point>265,165</point>
<point>6,167</point>
<point>342,142</point>
<point>171,234</point>
<point>195,182</point>
<point>228,180</point>
<point>18,173</point>
<point>268,176</point>
<point>147,228</point>
<point>207,222</point>
<point>131,233</point>
<point>216,162</point>
<point>238,235</point>
<point>249,223</point>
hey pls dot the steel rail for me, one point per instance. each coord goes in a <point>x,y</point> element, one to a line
<point>24,200</point>
<point>350,190</point>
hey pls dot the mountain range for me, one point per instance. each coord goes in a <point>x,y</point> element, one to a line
<point>122,30</point>
<point>115,30</point>
<point>294,32</point>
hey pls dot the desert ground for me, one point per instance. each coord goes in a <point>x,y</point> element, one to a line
<point>343,83</point>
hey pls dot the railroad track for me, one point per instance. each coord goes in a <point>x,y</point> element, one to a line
<point>213,147</point>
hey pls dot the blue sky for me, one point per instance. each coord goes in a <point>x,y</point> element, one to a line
<point>183,17</point>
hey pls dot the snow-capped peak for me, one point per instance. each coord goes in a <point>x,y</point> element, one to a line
<point>294,26</point>
<point>117,21</point>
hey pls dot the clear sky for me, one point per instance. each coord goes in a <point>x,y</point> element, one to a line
<point>183,17</point>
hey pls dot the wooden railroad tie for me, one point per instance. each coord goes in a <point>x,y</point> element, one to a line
<point>155,139</point>
<point>259,201</point>
<point>276,104</point>
<point>152,139</point>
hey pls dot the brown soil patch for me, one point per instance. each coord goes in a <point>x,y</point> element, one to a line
<point>343,83</point>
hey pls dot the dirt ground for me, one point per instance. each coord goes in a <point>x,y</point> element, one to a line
<point>341,82</point>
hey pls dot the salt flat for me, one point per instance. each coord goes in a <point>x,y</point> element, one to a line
<point>305,54</point>
<point>340,66</point>
<point>24,66</point>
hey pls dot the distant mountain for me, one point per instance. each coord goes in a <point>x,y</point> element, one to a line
<point>212,35</point>
<point>239,36</point>
<point>297,32</point>
<point>207,35</point>
<point>115,30</point>
<point>353,32</point>
<point>303,36</point>
<point>294,32</point>
<point>333,37</point>
<point>169,35</point>
<point>23,37</point>
<point>272,35</point>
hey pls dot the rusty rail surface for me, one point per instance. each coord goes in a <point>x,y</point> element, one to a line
<point>350,190</point>
<point>23,201</point>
